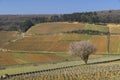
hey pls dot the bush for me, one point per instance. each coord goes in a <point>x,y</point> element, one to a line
<point>82,49</point>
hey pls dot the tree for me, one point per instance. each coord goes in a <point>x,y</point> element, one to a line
<point>26,25</point>
<point>55,18</point>
<point>82,49</point>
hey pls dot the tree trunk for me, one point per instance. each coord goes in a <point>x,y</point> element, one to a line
<point>85,58</point>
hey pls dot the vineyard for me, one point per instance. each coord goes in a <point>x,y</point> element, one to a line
<point>52,28</point>
<point>115,44</point>
<point>60,27</point>
<point>101,28</point>
<point>42,53</point>
<point>51,37</point>
<point>56,43</point>
<point>114,29</point>
<point>98,69</point>
<point>6,37</point>
<point>14,58</point>
<point>109,72</point>
<point>6,58</point>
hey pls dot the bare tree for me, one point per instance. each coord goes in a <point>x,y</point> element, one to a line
<point>82,49</point>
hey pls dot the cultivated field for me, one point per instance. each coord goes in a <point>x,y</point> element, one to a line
<point>56,43</point>
<point>98,69</point>
<point>115,44</point>
<point>101,42</point>
<point>6,37</point>
<point>42,54</point>
<point>60,27</point>
<point>14,58</point>
<point>54,28</point>
<point>114,29</point>
<point>101,28</point>
<point>51,37</point>
<point>108,72</point>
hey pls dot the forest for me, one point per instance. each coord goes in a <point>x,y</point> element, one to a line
<point>24,22</point>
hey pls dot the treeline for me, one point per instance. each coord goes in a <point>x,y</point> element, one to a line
<point>24,22</point>
<point>94,17</point>
<point>90,17</point>
<point>90,32</point>
<point>20,22</point>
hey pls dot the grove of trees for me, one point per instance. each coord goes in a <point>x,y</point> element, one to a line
<point>26,25</point>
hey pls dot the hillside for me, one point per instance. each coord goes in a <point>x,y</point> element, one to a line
<point>49,42</point>
<point>65,27</point>
<point>55,37</point>
<point>14,22</point>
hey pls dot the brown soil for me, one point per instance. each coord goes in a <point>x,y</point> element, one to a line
<point>42,57</point>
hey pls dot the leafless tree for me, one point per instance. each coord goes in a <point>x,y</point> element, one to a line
<point>82,49</point>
